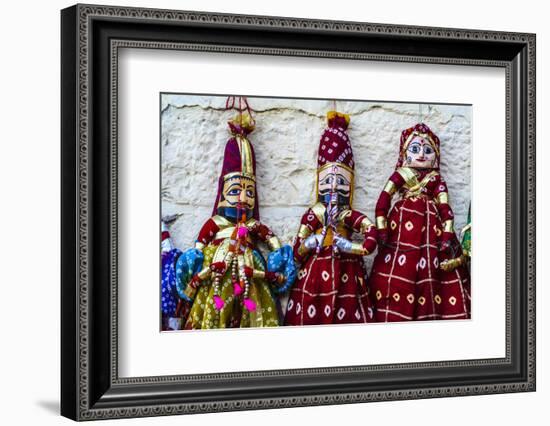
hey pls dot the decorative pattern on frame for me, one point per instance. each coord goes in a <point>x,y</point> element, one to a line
<point>86,14</point>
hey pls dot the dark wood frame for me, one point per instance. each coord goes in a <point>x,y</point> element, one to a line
<point>91,37</point>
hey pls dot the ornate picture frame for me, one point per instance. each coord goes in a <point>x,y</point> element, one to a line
<point>90,40</point>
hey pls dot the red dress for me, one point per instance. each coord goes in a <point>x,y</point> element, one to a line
<point>407,281</point>
<point>331,286</point>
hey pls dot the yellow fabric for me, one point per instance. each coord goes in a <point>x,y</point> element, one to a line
<point>204,315</point>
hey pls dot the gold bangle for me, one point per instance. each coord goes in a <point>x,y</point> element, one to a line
<point>302,250</point>
<point>358,249</point>
<point>390,187</point>
<point>190,292</point>
<point>448,225</point>
<point>273,243</point>
<point>366,224</point>
<point>204,273</point>
<point>304,231</point>
<point>381,222</point>
<point>443,198</point>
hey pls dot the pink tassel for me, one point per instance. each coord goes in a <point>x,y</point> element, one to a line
<point>249,304</point>
<point>242,232</point>
<point>218,302</point>
<point>237,289</point>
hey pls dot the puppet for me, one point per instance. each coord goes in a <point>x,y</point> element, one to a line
<point>225,277</point>
<point>332,287</point>
<point>418,272</point>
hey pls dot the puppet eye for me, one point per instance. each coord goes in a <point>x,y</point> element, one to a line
<point>415,148</point>
<point>250,193</point>
<point>428,149</point>
<point>328,180</point>
<point>234,192</point>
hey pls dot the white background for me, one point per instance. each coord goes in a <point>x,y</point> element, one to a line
<point>143,350</point>
<point>29,225</point>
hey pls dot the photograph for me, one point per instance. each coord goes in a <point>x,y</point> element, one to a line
<point>283,212</point>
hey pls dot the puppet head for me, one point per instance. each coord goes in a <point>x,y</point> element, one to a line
<point>237,197</point>
<point>419,148</point>
<point>335,164</point>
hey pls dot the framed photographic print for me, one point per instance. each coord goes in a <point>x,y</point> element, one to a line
<point>263,212</point>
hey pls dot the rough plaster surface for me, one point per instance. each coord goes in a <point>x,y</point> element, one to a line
<point>194,133</point>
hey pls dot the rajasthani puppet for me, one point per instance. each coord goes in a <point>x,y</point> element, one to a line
<point>416,275</point>
<point>332,286</point>
<point>224,277</point>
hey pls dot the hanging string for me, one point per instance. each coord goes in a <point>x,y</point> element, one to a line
<point>243,106</point>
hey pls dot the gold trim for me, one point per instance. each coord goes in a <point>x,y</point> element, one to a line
<point>381,222</point>
<point>273,243</point>
<point>247,163</point>
<point>319,211</point>
<point>190,292</point>
<point>344,214</point>
<point>358,249</point>
<point>221,221</point>
<point>442,198</point>
<point>224,233</point>
<point>448,225</point>
<point>331,164</point>
<point>304,231</point>
<point>408,175</point>
<point>258,274</point>
<point>302,250</point>
<point>237,174</point>
<point>251,223</point>
<point>390,187</point>
<point>204,273</point>
<point>332,114</point>
<point>366,224</point>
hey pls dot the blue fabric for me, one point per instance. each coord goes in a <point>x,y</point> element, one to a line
<point>188,264</point>
<point>169,299</point>
<point>282,261</point>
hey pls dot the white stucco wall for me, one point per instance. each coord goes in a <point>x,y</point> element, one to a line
<point>194,133</point>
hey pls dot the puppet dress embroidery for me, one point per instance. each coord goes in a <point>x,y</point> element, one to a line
<point>331,288</point>
<point>415,275</point>
<point>224,280</point>
<point>331,285</point>
<point>205,315</point>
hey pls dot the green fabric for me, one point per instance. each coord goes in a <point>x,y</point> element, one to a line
<point>204,315</point>
<point>467,237</point>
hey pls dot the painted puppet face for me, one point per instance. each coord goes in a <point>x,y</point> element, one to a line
<point>238,197</point>
<point>420,154</point>
<point>335,182</point>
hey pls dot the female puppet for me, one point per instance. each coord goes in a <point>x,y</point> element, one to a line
<point>415,275</point>
<point>224,277</point>
<point>331,286</point>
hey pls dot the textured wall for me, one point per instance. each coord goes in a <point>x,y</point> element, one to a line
<point>194,132</point>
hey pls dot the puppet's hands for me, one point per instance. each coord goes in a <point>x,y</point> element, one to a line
<point>275,277</point>
<point>382,236</point>
<point>343,244</point>
<point>313,241</point>
<point>446,239</point>
<point>281,262</point>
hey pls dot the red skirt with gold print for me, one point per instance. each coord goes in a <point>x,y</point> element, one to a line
<point>407,282</point>
<point>330,289</point>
